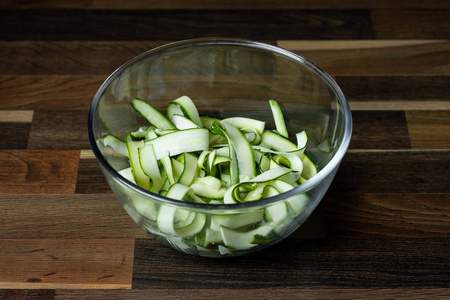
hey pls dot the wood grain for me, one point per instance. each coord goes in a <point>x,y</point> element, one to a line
<point>387,215</point>
<point>272,293</point>
<point>382,230</point>
<point>429,129</point>
<point>182,24</point>
<point>14,135</point>
<point>66,263</point>
<point>16,116</point>
<point>37,172</point>
<point>398,171</point>
<point>394,88</point>
<point>231,4</point>
<point>49,92</point>
<point>23,294</point>
<point>388,130</point>
<point>90,178</point>
<point>405,105</point>
<point>411,24</point>
<point>98,216</point>
<point>321,263</point>
<point>73,58</point>
<point>341,57</point>
<point>393,57</point>
<point>56,130</point>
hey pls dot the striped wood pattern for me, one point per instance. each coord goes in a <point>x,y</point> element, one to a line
<point>382,231</point>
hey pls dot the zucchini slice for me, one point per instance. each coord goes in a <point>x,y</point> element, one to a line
<point>151,114</point>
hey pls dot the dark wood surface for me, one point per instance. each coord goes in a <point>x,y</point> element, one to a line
<point>381,232</point>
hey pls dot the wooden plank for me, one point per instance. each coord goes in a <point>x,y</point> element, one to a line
<point>14,135</point>
<point>37,172</point>
<point>428,88</point>
<point>22,294</point>
<point>59,130</point>
<point>74,58</point>
<point>231,4</point>
<point>411,23</point>
<point>86,154</point>
<point>66,263</point>
<point>182,24</point>
<point>429,129</point>
<point>90,178</point>
<point>379,130</point>
<point>16,116</point>
<point>378,57</point>
<point>49,92</point>
<point>387,215</point>
<point>320,263</point>
<point>272,293</point>
<point>405,105</point>
<point>399,171</point>
<point>66,92</point>
<point>98,216</point>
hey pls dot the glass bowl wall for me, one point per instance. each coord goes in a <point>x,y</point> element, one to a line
<point>224,78</point>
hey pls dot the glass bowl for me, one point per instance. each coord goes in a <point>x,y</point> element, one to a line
<point>224,78</point>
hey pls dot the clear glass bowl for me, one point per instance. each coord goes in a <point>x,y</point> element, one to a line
<point>225,78</point>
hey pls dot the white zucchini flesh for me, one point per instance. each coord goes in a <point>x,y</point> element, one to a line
<point>232,195</point>
<point>212,237</point>
<point>278,117</point>
<point>243,240</point>
<point>309,169</point>
<point>234,221</point>
<point>145,207</point>
<point>177,221</point>
<point>181,122</point>
<point>151,114</point>
<point>127,173</point>
<point>140,133</point>
<point>277,212</point>
<point>208,160</point>
<point>234,168</point>
<point>149,165</point>
<point>243,122</point>
<point>133,153</point>
<point>302,139</point>
<point>195,227</point>
<point>297,203</point>
<point>177,142</point>
<point>116,144</point>
<point>189,169</point>
<point>278,142</point>
<point>187,107</point>
<point>244,152</point>
<point>208,122</point>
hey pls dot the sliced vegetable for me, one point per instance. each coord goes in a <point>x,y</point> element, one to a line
<point>278,118</point>
<point>186,107</point>
<point>177,142</point>
<point>151,114</point>
<point>202,159</point>
<point>149,165</point>
<point>140,177</point>
<point>244,153</point>
<point>116,144</point>
<point>243,240</point>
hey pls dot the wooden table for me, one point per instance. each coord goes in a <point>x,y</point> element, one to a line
<point>382,231</point>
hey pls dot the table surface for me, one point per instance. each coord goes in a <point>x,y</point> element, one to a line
<point>381,231</point>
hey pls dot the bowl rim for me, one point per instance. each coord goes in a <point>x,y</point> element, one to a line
<point>304,187</point>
